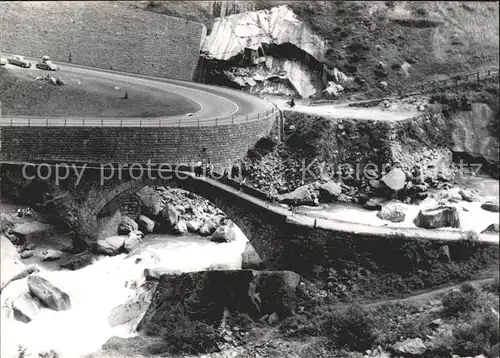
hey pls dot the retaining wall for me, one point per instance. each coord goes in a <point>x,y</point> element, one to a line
<point>225,144</point>
<point>110,35</point>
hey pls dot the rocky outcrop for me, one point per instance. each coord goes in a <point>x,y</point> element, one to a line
<point>471,133</point>
<point>50,295</point>
<point>438,217</point>
<point>186,297</point>
<point>269,51</point>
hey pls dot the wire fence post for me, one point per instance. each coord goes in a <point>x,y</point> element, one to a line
<point>179,122</point>
<point>11,122</point>
<point>215,120</point>
<point>121,122</point>
<point>198,122</point>
<point>65,122</point>
<point>258,115</point>
<point>246,118</point>
<point>84,122</point>
<point>232,119</point>
<point>102,122</point>
<point>46,122</point>
<point>477,76</point>
<point>140,122</point>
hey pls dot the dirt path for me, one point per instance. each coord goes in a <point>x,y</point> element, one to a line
<point>426,294</point>
<point>341,111</point>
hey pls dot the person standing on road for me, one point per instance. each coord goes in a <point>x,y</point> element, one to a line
<point>198,169</point>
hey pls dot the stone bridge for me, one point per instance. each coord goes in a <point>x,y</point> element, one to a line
<point>282,239</point>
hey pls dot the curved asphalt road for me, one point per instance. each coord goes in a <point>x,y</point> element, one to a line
<point>217,105</point>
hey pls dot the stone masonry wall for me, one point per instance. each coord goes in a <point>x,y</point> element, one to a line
<point>109,35</point>
<point>225,144</point>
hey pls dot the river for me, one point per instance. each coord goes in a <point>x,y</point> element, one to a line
<point>96,289</point>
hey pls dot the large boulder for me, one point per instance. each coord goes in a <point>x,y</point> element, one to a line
<point>372,204</point>
<point>169,217</point>
<point>207,229</point>
<point>250,259</point>
<point>225,233</point>
<point>438,217</point>
<point>193,225</point>
<point>126,225</point>
<point>136,306</point>
<point>50,295</point>
<point>145,224</point>
<point>126,312</point>
<point>492,228</point>
<point>395,179</point>
<point>111,245</point>
<point>412,347</point>
<point>303,195</point>
<point>468,195</point>
<point>490,206</point>
<point>151,201</point>
<point>26,307</point>
<point>31,231</point>
<point>392,212</point>
<point>133,239</point>
<point>51,255</point>
<point>330,190</point>
<point>12,268</point>
<point>219,234</point>
<point>180,228</point>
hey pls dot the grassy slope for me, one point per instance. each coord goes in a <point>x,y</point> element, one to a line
<point>21,95</point>
<point>363,33</point>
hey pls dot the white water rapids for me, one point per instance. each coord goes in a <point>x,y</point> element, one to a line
<point>96,289</point>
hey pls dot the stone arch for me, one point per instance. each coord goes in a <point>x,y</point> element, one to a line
<point>250,219</point>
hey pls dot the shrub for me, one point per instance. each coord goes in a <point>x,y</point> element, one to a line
<point>461,301</point>
<point>352,328</point>
<point>185,336</point>
<point>479,336</point>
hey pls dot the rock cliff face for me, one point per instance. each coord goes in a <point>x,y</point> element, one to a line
<point>471,135</point>
<point>267,51</point>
